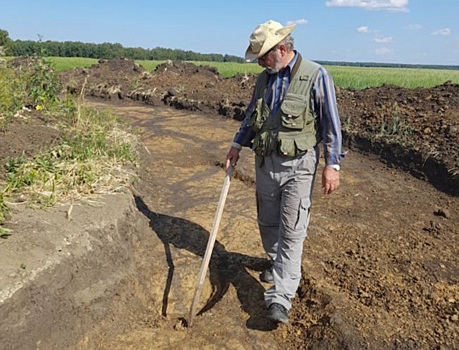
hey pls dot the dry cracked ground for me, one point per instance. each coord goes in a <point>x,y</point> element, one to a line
<point>380,265</point>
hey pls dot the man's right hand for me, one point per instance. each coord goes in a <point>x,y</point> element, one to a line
<point>232,157</point>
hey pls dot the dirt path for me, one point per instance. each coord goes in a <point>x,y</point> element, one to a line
<point>380,268</point>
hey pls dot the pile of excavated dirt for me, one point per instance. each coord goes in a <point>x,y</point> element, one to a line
<point>416,129</point>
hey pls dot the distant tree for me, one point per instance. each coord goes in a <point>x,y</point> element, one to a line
<point>5,41</point>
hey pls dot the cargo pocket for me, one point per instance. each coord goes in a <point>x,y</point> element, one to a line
<point>292,109</point>
<point>303,215</point>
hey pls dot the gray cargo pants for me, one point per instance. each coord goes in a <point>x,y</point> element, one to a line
<point>284,188</point>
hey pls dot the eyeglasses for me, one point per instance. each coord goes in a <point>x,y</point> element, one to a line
<point>265,56</point>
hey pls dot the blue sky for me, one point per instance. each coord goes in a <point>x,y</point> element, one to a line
<point>390,31</point>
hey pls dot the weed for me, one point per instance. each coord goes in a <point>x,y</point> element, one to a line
<point>395,128</point>
<point>346,125</point>
<point>35,86</point>
<point>93,157</point>
<point>12,95</point>
<point>3,208</point>
<point>135,83</point>
<point>4,232</point>
<point>43,85</point>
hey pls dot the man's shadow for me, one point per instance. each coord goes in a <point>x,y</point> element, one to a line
<point>225,267</point>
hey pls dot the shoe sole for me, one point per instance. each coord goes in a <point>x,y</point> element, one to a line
<point>276,320</point>
<point>264,280</point>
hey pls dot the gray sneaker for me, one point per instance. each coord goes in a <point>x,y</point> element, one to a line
<point>267,275</point>
<point>278,313</point>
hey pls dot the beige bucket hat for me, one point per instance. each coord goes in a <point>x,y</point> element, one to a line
<point>264,37</point>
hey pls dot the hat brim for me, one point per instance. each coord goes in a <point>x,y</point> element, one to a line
<point>269,43</point>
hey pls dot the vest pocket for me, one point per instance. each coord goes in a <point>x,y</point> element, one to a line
<point>260,144</point>
<point>292,109</point>
<point>293,145</point>
<point>302,143</point>
<point>257,118</point>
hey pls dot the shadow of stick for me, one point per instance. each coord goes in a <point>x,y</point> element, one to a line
<point>225,267</point>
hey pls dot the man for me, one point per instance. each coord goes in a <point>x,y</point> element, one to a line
<point>292,109</point>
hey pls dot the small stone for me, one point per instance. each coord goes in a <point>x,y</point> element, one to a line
<point>442,212</point>
<point>455,318</point>
<point>180,325</point>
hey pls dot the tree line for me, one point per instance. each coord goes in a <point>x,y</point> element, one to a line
<point>108,50</point>
<point>388,65</point>
<point>104,50</point>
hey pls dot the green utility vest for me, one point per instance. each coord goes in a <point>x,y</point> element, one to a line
<point>292,130</point>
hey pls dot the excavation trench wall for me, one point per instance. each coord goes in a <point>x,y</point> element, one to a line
<point>73,274</point>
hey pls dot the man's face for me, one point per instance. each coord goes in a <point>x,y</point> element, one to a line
<point>271,60</point>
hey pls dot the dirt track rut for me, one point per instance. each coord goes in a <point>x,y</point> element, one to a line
<point>380,268</point>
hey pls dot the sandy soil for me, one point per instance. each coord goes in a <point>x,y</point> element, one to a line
<point>380,269</point>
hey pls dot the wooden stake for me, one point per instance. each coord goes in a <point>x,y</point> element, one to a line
<point>210,245</point>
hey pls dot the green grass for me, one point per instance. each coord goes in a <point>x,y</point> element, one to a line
<point>363,77</point>
<point>149,65</point>
<point>64,63</point>
<point>344,77</point>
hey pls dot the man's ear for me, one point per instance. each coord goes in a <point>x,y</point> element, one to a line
<point>283,49</point>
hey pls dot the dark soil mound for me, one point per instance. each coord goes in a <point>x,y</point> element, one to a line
<point>414,129</point>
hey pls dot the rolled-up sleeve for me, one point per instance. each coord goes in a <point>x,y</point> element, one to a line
<point>326,109</point>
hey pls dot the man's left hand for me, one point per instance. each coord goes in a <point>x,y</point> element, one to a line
<point>330,180</point>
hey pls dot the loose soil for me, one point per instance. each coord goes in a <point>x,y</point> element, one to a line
<point>380,265</point>
<point>414,129</point>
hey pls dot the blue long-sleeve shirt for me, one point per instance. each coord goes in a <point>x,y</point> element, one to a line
<point>323,100</point>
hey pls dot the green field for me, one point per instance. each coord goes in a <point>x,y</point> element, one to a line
<point>344,77</point>
<point>363,77</point>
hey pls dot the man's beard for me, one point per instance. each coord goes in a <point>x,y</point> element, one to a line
<point>277,65</point>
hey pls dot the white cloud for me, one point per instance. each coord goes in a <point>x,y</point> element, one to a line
<point>383,51</point>
<point>298,21</point>
<point>414,27</point>
<point>444,31</point>
<point>388,5</point>
<point>386,40</point>
<point>364,29</point>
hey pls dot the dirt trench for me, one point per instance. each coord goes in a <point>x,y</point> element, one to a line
<point>380,266</point>
<point>380,269</point>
